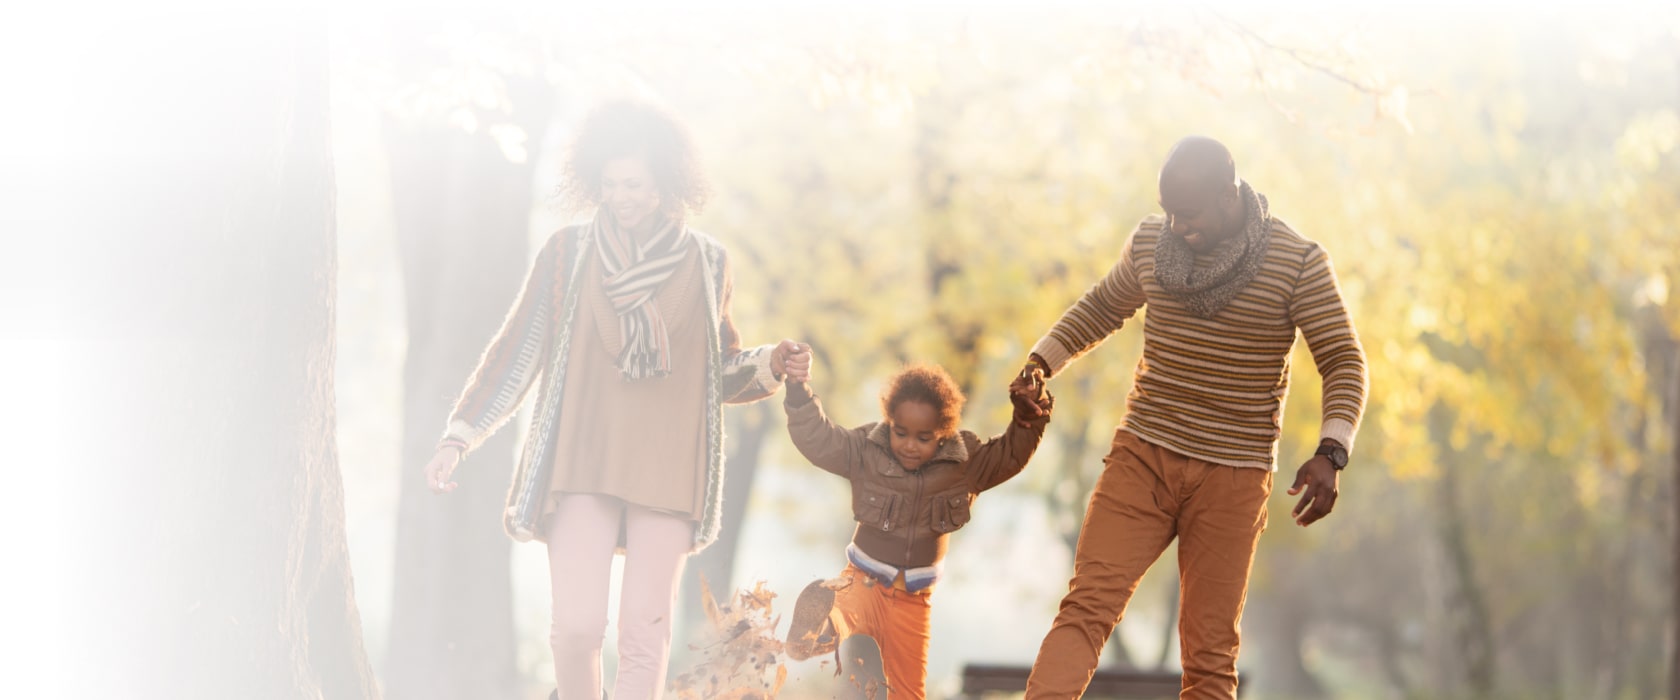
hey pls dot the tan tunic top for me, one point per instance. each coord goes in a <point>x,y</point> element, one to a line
<point>643,442</point>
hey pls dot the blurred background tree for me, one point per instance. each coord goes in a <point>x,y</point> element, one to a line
<point>190,436</point>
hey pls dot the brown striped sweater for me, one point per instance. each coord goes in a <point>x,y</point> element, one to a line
<point>1214,388</point>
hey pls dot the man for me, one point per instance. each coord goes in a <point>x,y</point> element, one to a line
<point>1227,285</point>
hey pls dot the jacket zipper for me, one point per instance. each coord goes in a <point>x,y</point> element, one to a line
<point>910,530</point>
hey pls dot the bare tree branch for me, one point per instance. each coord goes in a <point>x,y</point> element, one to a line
<point>1254,38</point>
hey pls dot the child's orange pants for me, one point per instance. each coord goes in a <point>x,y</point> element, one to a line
<point>899,622</point>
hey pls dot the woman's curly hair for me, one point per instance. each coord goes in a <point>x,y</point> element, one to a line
<point>633,128</point>
<point>929,384</point>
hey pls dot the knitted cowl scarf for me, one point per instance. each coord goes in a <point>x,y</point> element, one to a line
<point>1234,264</point>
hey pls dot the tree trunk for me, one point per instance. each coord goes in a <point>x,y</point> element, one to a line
<point>462,222</point>
<point>936,182</point>
<point>1472,631</point>
<point>1614,594</point>
<point>1390,651</point>
<point>215,563</point>
<point>1170,626</point>
<point>1120,655</point>
<point>753,426</point>
<point>1280,627</point>
<point>1674,447</point>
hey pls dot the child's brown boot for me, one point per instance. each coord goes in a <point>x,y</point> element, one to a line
<point>811,632</point>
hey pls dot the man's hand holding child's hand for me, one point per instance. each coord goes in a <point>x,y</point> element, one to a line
<point>1030,395</point>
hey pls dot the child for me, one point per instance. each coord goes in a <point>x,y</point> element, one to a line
<point>914,478</point>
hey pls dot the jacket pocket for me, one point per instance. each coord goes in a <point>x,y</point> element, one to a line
<point>875,507</point>
<point>951,511</point>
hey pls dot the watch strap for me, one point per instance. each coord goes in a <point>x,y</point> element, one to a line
<point>1338,455</point>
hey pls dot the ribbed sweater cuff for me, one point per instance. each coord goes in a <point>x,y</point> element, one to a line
<point>1340,430</point>
<point>766,379</point>
<point>459,432</point>
<point>1052,351</point>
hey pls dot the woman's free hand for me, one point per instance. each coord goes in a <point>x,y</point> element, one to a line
<point>440,468</point>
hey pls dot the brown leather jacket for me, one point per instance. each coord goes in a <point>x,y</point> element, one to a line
<point>904,517</point>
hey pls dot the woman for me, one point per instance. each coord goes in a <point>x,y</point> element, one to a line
<point>623,329</point>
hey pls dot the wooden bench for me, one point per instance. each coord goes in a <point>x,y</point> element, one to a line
<point>1118,683</point>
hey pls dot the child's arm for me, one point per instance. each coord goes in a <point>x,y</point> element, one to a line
<point>999,459</point>
<point>829,446</point>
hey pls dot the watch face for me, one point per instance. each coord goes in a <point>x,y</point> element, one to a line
<point>1338,456</point>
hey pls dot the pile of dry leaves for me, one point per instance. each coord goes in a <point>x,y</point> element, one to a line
<point>740,656</point>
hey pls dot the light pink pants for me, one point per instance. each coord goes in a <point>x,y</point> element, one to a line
<point>581,538</point>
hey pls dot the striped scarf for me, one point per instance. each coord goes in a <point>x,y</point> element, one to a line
<point>633,272</point>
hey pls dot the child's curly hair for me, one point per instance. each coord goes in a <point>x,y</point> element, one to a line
<point>621,128</point>
<point>929,384</point>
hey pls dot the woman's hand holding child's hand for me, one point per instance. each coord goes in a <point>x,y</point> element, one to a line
<point>792,360</point>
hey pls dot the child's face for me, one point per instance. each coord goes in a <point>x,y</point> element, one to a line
<point>915,433</point>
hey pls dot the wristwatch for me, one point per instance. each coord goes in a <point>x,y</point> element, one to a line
<point>1338,455</point>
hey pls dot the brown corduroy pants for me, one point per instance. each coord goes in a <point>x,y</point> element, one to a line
<point>1146,496</point>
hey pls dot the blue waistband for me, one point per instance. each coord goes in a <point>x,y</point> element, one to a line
<point>916,580</point>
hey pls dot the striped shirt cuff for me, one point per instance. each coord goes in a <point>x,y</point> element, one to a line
<point>1052,351</point>
<point>1338,429</point>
